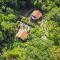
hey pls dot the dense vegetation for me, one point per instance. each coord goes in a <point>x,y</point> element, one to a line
<point>43,42</point>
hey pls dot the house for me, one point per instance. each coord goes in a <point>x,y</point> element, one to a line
<point>22,34</point>
<point>36,15</point>
<point>22,31</point>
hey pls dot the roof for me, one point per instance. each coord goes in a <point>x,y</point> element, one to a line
<point>22,34</point>
<point>37,14</point>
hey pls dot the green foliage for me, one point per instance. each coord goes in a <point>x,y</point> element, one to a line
<point>7,29</point>
<point>37,3</point>
<point>55,52</point>
<point>45,5</point>
<point>9,17</point>
<point>32,50</point>
<point>57,2</point>
<point>43,42</point>
<point>1,36</point>
<point>13,54</point>
<point>7,26</point>
<point>55,15</point>
<point>53,25</point>
<point>9,10</point>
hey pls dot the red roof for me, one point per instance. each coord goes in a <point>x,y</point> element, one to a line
<point>37,14</point>
<point>22,34</point>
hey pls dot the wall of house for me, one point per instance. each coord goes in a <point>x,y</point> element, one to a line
<point>25,26</point>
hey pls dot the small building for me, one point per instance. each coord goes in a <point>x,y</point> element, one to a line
<point>22,34</point>
<point>36,15</point>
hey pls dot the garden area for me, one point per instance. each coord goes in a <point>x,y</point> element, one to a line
<point>29,29</point>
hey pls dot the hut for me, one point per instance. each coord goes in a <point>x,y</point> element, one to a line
<point>36,15</point>
<point>22,34</point>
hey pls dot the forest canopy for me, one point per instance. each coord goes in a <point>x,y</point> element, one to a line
<point>43,42</point>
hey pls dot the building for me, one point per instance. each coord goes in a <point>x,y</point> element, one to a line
<point>36,15</point>
<point>22,34</point>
